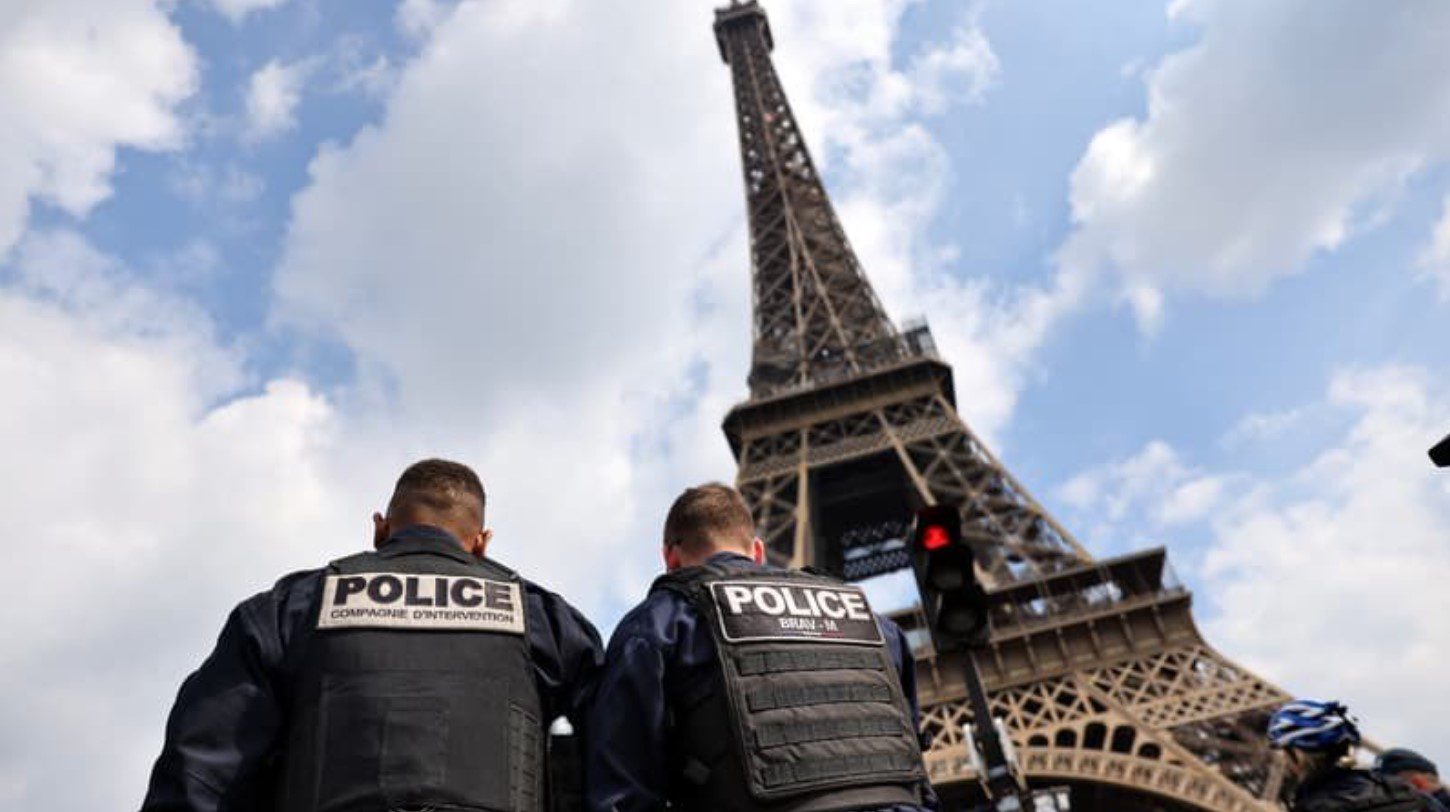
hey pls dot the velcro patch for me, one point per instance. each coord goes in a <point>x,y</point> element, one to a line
<point>759,610</point>
<point>407,601</point>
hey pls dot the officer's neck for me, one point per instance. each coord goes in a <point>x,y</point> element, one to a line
<point>422,530</point>
<point>720,556</point>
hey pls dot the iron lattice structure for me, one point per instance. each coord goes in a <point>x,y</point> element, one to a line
<point>1096,665</point>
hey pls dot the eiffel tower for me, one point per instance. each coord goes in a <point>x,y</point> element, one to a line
<point>1095,665</point>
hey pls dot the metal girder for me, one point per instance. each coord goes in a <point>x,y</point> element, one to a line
<point>815,314</point>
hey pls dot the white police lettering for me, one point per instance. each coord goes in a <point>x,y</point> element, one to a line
<point>756,610</point>
<point>737,595</point>
<point>387,600</point>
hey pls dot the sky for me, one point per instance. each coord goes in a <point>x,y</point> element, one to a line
<point>1190,263</point>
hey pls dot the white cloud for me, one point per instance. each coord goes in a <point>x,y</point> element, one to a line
<point>61,270</point>
<point>1146,303</point>
<point>153,498</point>
<point>419,18</point>
<point>200,182</point>
<point>1435,260</point>
<point>964,68</point>
<point>273,93</point>
<point>195,262</point>
<point>358,74</point>
<point>1260,426</point>
<point>1331,581</point>
<point>237,10</point>
<point>537,218</point>
<point>1191,501</point>
<point>79,78</point>
<point>1270,139</point>
<point>1137,501</point>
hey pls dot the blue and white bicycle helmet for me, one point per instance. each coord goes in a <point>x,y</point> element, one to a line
<point>1309,725</point>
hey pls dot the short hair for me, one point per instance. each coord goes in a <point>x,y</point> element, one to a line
<point>440,486</point>
<point>1398,760</point>
<point>707,516</point>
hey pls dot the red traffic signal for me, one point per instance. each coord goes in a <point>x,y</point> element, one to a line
<point>937,527</point>
<point>944,562</point>
<point>935,537</point>
<point>955,604</point>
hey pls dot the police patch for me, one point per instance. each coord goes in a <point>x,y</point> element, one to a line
<point>757,610</point>
<point>411,601</point>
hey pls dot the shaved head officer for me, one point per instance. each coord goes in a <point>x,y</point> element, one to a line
<point>419,675</point>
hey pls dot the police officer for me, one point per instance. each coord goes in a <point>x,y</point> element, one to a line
<point>420,675</point>
<point>741,686</point>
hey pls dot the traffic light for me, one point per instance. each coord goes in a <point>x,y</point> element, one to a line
<point>956,606</point>
<point>1440,453</point>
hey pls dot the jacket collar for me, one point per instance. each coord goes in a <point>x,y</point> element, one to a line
<point>733,558</point>
<point>422,538</point>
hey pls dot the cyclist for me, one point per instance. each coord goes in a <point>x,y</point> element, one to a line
<point>1319,740</point>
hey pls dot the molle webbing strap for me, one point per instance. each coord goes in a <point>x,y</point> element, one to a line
<point>526,761</point>
<point>796,732</point>
<point>780,662</point>
<point>818,769</point>
<point>771,697</point>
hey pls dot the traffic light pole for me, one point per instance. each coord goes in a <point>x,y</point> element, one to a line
<point>999,778</point>
<point>957,612</point>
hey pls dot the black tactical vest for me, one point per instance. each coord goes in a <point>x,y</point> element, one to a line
<point>414,690</point>
<point>806,711</point>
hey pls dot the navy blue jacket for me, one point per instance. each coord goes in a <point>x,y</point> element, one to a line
<point>231,713</point>
<point>661,644</point>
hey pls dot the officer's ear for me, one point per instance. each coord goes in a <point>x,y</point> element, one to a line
<point>671,554</point>
<point>757,550</point>
<point>478,545</point>
<point>381,530</point>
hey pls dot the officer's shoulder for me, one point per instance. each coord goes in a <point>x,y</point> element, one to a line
<point>294,582</point>
<point>891,630</point>
<point>552,604</point>
<point>659,606</point>
<point>286,589</point>
<point>273,614</point>
<point>297,578</point>
<point>538,592</point>
<point>886,622</point>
